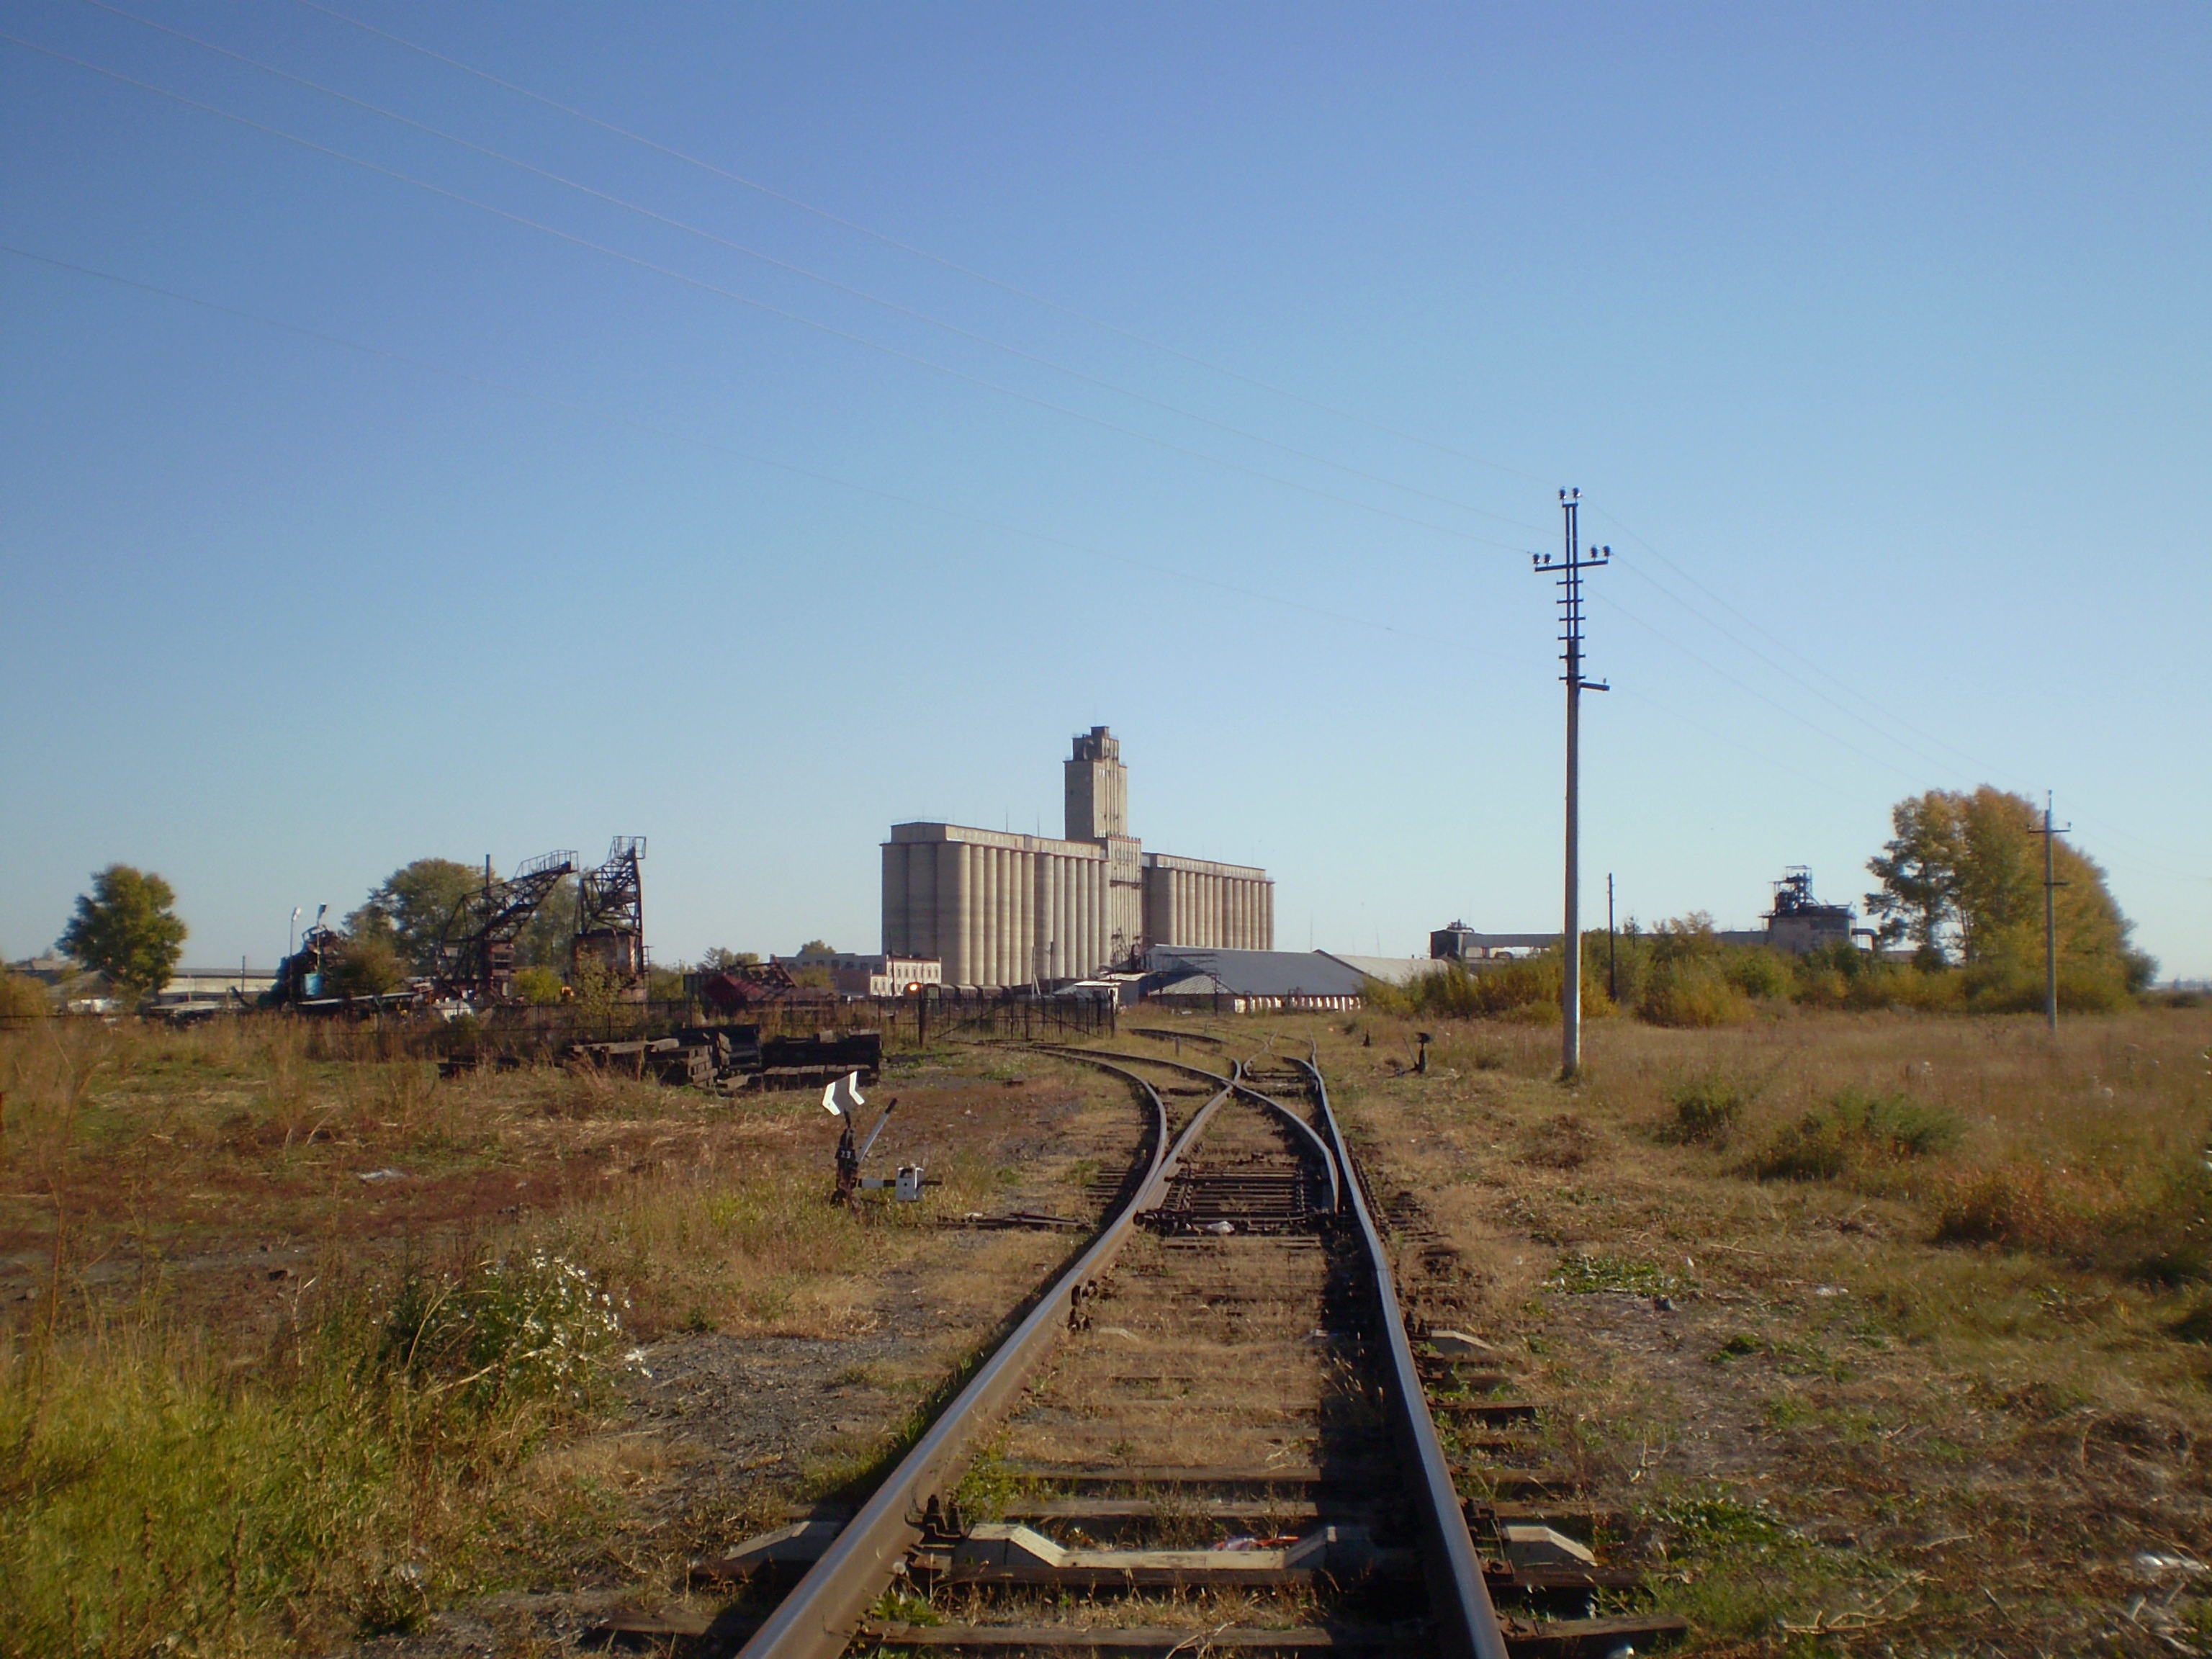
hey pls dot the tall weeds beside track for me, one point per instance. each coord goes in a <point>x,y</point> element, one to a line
<point>370,1464</point>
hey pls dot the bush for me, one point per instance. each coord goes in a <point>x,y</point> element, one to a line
<point>541,987</point>
<point>1855,1129</point>
<point>2149,1230</point>
<point>1693,991</point>
<point>23,997</point>
<point>2194,1326</point>
<point>1706,1110</point>
<point>1811,1149</point>
<point>2012,1205</point>
<point>368,966</point>
<point>159,1497</point>
<point>1758,972</point>
<point>533,1329</point>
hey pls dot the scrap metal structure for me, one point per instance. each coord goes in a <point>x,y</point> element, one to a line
<point>300,976</point>
<point>611,915</point>
<point>476,959</point>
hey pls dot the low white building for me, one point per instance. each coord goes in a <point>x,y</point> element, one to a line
<point>878,975</point>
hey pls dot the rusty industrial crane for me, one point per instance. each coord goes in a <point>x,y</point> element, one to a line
<point>476,956</point>
<point>610,913</point>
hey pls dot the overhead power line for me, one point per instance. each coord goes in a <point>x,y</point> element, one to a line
<point>650,428</point>
<point>1887,737</point>
<point>1895,719</point>
<point>716,447</point>
<point>1748,690</point>
<point>743,299</point>
<point>1752,651</point>
<point>915,252</point>
<point>893,305</point>
<point>1984,769</point>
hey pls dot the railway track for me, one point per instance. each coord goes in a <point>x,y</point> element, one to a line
<point>1214,1432</point>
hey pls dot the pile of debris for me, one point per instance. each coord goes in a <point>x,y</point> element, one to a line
<point>733,1058</point>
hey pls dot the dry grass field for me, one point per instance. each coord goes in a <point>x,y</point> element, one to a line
<point>1889,1332</point>
<point>1883,1333</point>
<point>300,1344</point>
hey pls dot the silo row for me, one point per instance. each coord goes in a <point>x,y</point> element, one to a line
<point>995,915</point>
<point>1200,908</point>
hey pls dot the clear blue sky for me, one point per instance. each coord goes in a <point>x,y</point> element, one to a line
<point>1876,340</point>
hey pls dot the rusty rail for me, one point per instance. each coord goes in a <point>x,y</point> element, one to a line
<point>816,1618</point>
<point>1466,1622</point>
<point>1323,1155</point>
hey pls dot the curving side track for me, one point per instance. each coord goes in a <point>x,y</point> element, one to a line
<point>1258,1322</point>
<point>816,1620</point>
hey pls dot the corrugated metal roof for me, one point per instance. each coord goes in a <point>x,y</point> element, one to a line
<point>1255,973</point>
<point>1391,971</point>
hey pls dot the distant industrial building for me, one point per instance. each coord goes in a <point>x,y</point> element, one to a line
<point>857,974</point>
<point>999,908</point>
<point>1251,982</point>
<point>1461,943</point>
<point>1798,924</point>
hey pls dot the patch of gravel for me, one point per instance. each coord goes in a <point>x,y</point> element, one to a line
<point>1719,1429</point>
<point>737,1411</point>
<point>735,1417</point>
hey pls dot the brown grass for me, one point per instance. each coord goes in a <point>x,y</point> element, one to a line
<point>197,1291</point>
<point>1905,1373</point>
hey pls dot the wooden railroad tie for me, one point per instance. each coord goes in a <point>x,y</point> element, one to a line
<point>1563,1638</point>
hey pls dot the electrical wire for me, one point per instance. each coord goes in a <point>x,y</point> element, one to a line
<point>1629,566</point>
<point>1749,689</point>
<point>1985,769</point>
<point>1763,756</point>
<point>938,260</point>
<point>848,288</point>
<point>716,288</point>
<point>1895,719</point>
<point>716,447</point>
<point>1885,735</point>
<point>1888,736</point>
<point>936,508</point>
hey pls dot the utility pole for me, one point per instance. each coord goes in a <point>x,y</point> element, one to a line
<point>1569,573</point>
<point>2050,886</point>
<point>1612,947</point>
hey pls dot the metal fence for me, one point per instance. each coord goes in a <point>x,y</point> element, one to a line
<point>908,1023</point>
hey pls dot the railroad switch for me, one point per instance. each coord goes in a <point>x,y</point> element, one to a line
<point>841,1100</point>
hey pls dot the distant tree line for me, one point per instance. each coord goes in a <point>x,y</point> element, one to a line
<point>1961,883</point>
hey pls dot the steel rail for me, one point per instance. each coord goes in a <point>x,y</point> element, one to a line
<point>1327,1158</point>
<point>1466,1620</point>
<point>816,1618</point>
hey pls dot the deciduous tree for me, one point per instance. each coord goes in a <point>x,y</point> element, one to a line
<point>368,966</point>
<point>411,908</point>
<point>1962,878</point>
<point>1918,870</point>
<point>126,929</point>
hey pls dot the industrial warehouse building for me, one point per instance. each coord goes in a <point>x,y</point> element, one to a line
<point>999,908</point>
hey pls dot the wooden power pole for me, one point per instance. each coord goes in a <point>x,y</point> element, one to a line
<point>1569,573</point>
<point>2050,886</point>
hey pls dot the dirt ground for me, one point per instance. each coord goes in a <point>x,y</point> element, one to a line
<point>1834,1424</point>
<point>1837,1430</point>
<point>781,1346</point>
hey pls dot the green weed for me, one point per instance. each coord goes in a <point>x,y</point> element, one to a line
<point>156,1498</point>
<point>1706,1109</point>
<point>1853,1130</point>
<point>1584,1275</point>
